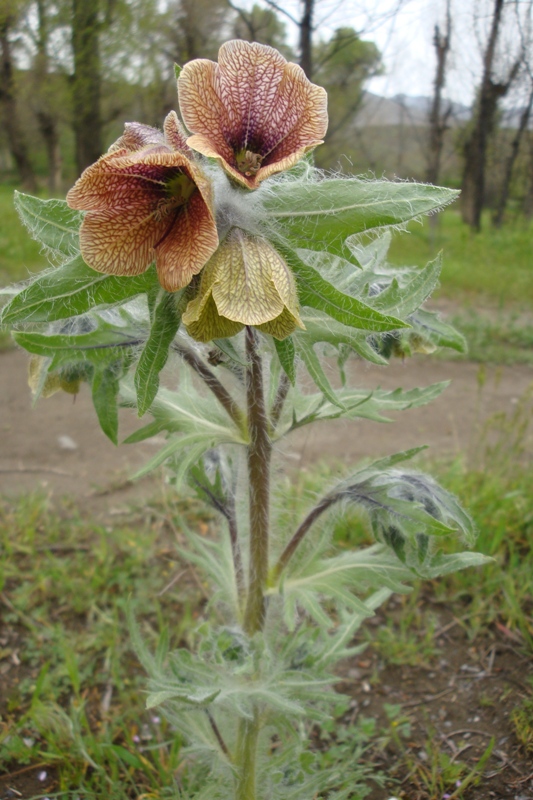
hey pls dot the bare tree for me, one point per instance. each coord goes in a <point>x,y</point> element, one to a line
<point>86,82</point>
<point>46,113</point>
<point>499,212</point>
<point>490,93</point>
<point>8,97</point>
<point>438,118</point>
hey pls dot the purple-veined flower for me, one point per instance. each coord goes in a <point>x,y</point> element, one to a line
<point>253,111</point>
<point>147,200</point>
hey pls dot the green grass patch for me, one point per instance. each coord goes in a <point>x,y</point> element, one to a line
<point>499,338</point>
<point>494,266</point>
<point>19,254</point>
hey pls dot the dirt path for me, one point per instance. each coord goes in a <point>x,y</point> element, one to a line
<point>35,454</point>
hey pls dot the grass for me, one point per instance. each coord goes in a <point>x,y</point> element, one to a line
<point>493,267</point>
<point>19,254</point>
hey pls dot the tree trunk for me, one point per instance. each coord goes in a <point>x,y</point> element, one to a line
<point>438,120</point>
<point>306,37</point>
<point>46,119</point>
<point>528,199</point>
<point>508,174</point>
<point>475,147</point>
<point>8,103</point>
<point>86,82</point>
<point>49,131</point>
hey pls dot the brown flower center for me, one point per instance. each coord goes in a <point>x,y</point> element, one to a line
<point>248,163</point>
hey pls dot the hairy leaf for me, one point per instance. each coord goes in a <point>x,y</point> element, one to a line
<point>50,222</point>
<point>165,324</point>
<point>325,213</point>
<point>315,291</point>
<point>71,290</point>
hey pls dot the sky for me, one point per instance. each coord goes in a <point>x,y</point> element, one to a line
<point>403,30</point>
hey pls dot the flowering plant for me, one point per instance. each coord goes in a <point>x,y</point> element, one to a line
<point>227,251</point>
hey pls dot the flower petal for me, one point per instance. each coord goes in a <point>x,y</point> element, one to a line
<point>205,323</point>
<point>299,116</point>
<point>121,242</point>
<point>247,82</point>
<point>191,242</point>
<point>201,108</point>
<point>175,133</point>
<point>243,289</point>
<point>136,136</point>
<point>282,326</point>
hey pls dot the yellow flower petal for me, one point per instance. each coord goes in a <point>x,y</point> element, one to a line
<point>248,283</point>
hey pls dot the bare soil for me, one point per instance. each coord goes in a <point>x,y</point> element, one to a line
<point>457,703</point>
<point>58,447</point>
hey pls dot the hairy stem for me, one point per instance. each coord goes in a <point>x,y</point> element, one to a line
<point>220,391</point>
<point>227,509</point>
<point>219,738</point>
<point>259,455</point>
<point>311,518</point>
<point>247,737</point>
<point>279,400</point>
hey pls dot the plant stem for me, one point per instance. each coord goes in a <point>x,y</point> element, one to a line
<point>259,455</point>
<point>247,737</point>
<point>220,391</point>
<point>279,400</point>
<point>313,515</point>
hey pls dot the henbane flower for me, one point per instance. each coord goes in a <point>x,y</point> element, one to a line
<point>253,111</point>
<point>246,282</point>
<point>146,199</point>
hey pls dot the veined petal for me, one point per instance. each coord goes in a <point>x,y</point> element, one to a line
<point>191,241</point>
<point>253,111</point>
<point>247,82</point>
<point>121,242</point>
<point>298,118</point>
<point>204,323</point>
<point>122,179</point>
<point>136,136</point>
<point>282,326</point>
<point>249,283</point>
<point>253,284</point>
<point>201,108</point>
<point>175,133</point>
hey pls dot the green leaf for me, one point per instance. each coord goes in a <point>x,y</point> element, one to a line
<point>128,758</point>
<point>356,404</point>
<point>105,389</point>
<point>71,290</point>
<point>429,325</point>
<point>100,345</point>
<point>286,352</point>
<point>314,368</point>
<point>324,213</point>
<point>319,327</point>
<point>405,299</point>
<point>318,293</point>
<point>50,222</point>
<point>165,324</point>
<point>194,698</point>
<point>177,70</point>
